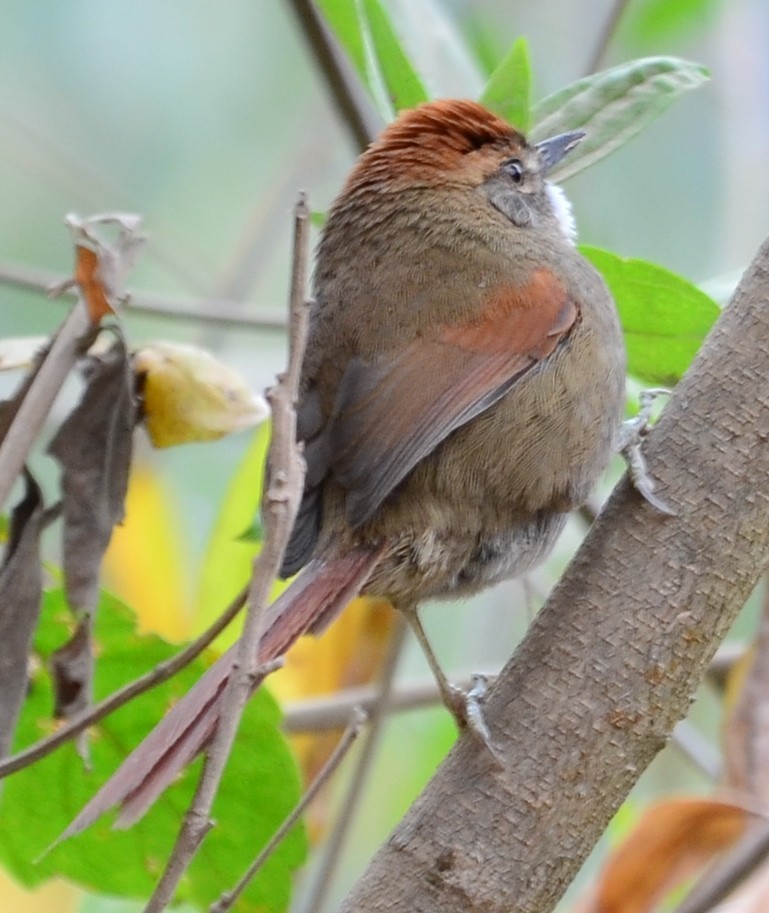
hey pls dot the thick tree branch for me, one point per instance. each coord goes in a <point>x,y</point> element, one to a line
<point>612,661</point>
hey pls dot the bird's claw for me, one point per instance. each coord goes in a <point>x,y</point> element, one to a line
<point>467,709</point>
<point>631,435</point>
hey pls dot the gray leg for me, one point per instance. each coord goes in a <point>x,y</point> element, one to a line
<point>464,707</point>
<point>629,445</point>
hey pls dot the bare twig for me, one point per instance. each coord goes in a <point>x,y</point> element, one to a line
<point>281,502</point>
<point>117,699</point>
<point>351,733</point>
<point>697,749</point>
<point>333,848</point>
<point>40,395</point>
<point>113,260</point>
<point>606,35</point>
<point>223,311</point>
<point>332,711</point>
<point>345,87</point>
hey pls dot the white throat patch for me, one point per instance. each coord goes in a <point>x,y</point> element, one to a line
<point>563,212</point>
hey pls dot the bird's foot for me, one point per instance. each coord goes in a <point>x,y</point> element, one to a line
<point>632,433</point>
<point>467,709</point>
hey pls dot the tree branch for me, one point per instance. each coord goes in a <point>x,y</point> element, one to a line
<point>224,311</point>
<point>612,661</point>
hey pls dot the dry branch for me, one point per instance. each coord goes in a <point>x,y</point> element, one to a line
<point>280,503</point>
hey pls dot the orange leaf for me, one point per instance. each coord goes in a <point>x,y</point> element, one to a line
<point>671,841</point>
<point>91,286</point>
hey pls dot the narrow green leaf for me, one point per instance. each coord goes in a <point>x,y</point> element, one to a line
<point>347,19</point>
<point>404,86</point>
<point>343,18</point>
<point>260,786</point>
<point>613,106</point>
<point>365,31</point>
<point>664,317</point>
<point>508,91</point>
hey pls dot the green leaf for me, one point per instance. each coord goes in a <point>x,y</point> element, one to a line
<point>508,91</point>
<point>365,31</point>
<point>405,87</point>
<point>652,21</point>
<point>664,317</point>
<point>612,107</point>
<point>259,788</point>
<point>254,533</point>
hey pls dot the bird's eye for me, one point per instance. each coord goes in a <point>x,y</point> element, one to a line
<point>514,168</point>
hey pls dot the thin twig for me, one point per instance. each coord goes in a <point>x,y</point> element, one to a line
<point>333,849</point>
<point>332,711</point>
<point>351,733</point>
<point>698,750</point>
<point>223,311</point>
<point>606,35</point>
<point>281,502</point>
<point>348,94</point>
<point>40,395</point>
<point>113,261</point>
<point>117,699</point>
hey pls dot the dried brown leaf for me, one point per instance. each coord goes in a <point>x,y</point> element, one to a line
<point>672,840</point>
<point>101,265</point>
<point>20,594</point>
<point>90,284</point>
<point>71,670</point>
<point>94,446</point>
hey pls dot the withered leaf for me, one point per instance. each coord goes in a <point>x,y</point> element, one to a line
<point>71,669</point>
<point>94,446</point>
<point>20,594</point>
<point>90,283</point>
<point>672,840</point>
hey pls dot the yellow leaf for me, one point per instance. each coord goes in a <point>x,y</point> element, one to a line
<point>144,564</point>
<point>190,396</point>
<point>55,895</point>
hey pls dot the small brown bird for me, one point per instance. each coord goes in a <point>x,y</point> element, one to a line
<point>462,391</point>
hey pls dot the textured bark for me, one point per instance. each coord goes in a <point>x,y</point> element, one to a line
<point>613,659</point>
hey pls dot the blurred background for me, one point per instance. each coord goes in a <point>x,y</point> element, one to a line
<point>208,119</point>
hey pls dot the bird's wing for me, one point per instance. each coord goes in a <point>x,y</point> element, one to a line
<point>392,412</point>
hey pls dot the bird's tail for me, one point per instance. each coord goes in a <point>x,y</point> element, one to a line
<point>315,598</point>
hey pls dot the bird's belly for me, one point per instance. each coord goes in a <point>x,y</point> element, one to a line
<point>491,500</point>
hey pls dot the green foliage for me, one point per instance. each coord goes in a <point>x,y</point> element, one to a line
<point>365,31</point>
<point>612,107</point>
<point>664,317</point>
<point>259,788</point>
<point>647,22</point>
<point>508,91</point>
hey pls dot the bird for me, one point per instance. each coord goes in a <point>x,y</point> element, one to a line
<point>461,392</point>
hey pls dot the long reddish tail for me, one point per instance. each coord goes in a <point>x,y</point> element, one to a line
<point>322,590</point>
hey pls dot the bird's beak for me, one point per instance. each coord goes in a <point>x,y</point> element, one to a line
<point>551,151</point>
